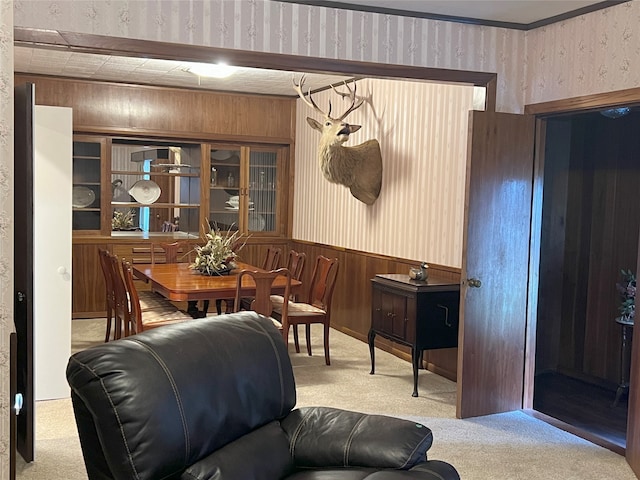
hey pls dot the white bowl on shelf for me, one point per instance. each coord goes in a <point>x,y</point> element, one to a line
<point>145,191</point>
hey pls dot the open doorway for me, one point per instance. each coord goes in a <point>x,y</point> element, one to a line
<point>590,225</point>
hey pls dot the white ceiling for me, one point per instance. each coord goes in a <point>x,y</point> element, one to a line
<point>511,11</point>
<point>159,72</point>
<point>65,63</point>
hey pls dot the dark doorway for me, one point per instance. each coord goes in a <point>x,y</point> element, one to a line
<point>590,225</point>
<point>23,263</point>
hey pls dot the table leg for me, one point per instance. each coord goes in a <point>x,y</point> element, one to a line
<point>416,355</point>
<point>625,363</point>
<point>372,338</point>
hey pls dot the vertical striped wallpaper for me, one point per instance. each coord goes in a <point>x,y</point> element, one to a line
<point>422,130</point>
<point>6,225</point>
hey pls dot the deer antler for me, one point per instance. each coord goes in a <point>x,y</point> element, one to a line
<point>310,102</point>
<point>352,96</point>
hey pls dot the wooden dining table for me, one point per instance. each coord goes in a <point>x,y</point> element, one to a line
<point>178,282</point>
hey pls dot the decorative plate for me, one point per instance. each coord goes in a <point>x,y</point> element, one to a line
<point>82,197</point>
<point>221,154</point>
<point>145,191</point>
<point>256,222</point>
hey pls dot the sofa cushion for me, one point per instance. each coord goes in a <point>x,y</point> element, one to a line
<point>260,455</point>
<point>163,399</point>
<point>324,437</point>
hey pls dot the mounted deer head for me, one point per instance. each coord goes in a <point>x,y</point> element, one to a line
<point>358,167</point>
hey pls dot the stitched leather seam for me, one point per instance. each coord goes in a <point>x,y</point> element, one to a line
<point>106,392</point>
<point>430,472</point>
<point>279,360</point>
<point>174,387</point>
<point>347,447</point>
<point>424,439</point>
<point>296,434</point>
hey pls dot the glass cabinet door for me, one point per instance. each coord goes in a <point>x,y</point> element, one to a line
<point>263,182</point>
<point>244,188</point>
<point>225,186</point>
<point>86,189</point>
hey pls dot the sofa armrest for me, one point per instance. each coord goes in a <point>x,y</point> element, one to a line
<point>322,436</point>
<point>436,470</point>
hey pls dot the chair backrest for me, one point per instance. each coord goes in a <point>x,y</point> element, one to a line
<point>272,260</point>
<point>106,273</point>
<point>135,312</point>
<point>295,264</point>
<point>263,281</point>
<point>175,252</point>
<point>323,281</point>
<point>121,300</point>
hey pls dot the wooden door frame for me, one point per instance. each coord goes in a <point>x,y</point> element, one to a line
<point>542,111</point>
<point>129,47</point>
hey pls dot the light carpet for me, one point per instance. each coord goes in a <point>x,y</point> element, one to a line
<point>511,446</point>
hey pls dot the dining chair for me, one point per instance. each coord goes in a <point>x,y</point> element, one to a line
<point>141,318</point>
<point>109,291</point>
<point>271,262</point>
<point>174,252</point>
<point>316,308</point>
<point>295,265</point>
<point>272,258</point>
<point>261,302</point>
<point>147,300</point>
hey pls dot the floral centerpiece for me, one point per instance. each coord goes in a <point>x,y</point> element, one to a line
<point>627,291</point>
<point>217,256</point>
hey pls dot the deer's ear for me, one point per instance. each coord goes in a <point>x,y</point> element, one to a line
<point>314,124</point>
<point>354,128</point>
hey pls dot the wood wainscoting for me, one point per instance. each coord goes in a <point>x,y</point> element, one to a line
<point>351,308</point>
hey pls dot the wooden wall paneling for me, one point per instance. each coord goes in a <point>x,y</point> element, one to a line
<point>577,222</point>
<point>552,243</point>
<point>88,288</point>
<point>600,350</point>
<point>351,308</point>
<point>102,107</point>
<point>600,221</point>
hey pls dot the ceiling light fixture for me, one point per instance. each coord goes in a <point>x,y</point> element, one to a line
<point>212,70</point>
<point>615,112</point>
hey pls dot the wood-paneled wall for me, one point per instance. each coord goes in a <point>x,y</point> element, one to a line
<point>103,107</point>
<point>351,307</point>
<point>590,232</point>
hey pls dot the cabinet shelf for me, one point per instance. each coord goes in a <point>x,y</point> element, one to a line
<point>262,166</point>
<point>87,174</point>
<point>154,174</point>
<point>155,205</point>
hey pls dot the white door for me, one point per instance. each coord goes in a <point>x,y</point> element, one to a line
<point>52,178</point>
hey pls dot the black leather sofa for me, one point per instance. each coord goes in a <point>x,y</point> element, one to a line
<point>214,399</point>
